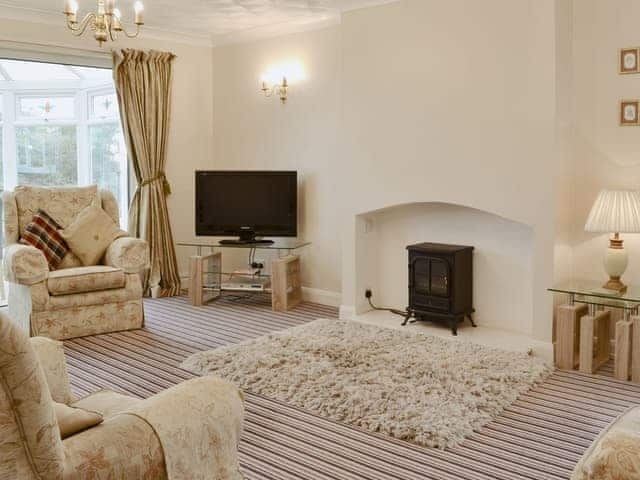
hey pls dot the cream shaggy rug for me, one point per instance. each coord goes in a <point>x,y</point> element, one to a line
<point>426,390</point>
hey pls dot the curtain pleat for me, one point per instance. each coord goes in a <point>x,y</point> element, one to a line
<point>143,85</point>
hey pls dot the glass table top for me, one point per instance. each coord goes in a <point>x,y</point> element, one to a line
<point>596,293</point>
<point>278,244</point>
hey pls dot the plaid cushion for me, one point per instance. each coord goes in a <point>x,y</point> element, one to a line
<point>42,233</point>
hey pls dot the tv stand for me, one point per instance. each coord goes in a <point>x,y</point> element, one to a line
<point>206,275</point>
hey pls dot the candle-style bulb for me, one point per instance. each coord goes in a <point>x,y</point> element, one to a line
<point>70,7</point>
<point>139,9</point>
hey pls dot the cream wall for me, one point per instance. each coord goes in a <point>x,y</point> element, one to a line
<point>254,132</point>
<point>416,101</point>
<point>190,134</point>
<point>460,112</point>
<point>605,155</point>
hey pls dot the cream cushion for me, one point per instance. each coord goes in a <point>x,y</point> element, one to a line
<point>615,453</point>
<point>85,279</point>
<point>72,420</point>
<point>90,233</point>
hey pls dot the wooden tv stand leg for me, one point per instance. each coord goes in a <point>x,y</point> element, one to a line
<point>199,267</point>
<point>286,283</point>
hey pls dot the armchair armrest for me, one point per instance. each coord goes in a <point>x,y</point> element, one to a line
<point>24,264</point>
<point>123,446</point>
<point>51,356</point>
<point>198,423</point>
<point>128,253</point>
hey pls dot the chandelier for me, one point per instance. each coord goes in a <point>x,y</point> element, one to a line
<point>105,22</point>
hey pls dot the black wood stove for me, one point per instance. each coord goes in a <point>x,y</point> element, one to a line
<point>440,284</point>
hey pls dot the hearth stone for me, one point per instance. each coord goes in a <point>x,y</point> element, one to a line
<point>440,284</point>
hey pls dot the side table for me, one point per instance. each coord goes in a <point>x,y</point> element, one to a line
<point>583,329</point>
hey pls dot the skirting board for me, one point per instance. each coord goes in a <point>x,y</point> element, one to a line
<point>347,312</point>
<point>323,297</point>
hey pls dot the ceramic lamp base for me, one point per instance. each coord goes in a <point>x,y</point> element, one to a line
<point>615,264</point>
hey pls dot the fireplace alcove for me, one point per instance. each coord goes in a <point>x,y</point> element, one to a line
<point>502,259</point>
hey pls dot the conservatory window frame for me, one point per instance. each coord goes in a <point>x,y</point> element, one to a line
<point>11,96</point>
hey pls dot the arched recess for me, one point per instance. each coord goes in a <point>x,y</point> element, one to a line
<point>503,258</point>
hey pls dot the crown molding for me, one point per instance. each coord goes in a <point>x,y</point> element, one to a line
<point>351,5</point>
<point>274,30</point>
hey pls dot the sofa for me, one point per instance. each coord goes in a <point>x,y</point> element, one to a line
<point>190,431</point>
<point>73,300</point>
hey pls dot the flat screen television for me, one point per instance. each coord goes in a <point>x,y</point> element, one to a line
<point>247,204</point>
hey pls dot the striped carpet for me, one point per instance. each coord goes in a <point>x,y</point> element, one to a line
<point>541,436</point>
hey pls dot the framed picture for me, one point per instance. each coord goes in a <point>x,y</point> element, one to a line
<point>629,61</point>
<point>629,112</point>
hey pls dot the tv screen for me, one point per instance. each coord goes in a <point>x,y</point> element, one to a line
<point>247,203</point>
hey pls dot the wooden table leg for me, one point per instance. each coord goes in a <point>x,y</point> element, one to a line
<point>595,343</point>
<point>568,335</point>
<point>286,283</point>
<point>635,349</point>
<point>622,367</point>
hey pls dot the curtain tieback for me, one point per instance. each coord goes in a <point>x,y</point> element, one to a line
<point>161,177</point>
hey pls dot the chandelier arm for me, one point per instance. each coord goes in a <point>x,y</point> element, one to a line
<point>131,35</point>
<point>83,25</point>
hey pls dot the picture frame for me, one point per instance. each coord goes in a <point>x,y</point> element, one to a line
<point>630,113</point>
<point>629,61</point>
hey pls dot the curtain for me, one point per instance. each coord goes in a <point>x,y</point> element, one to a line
<point>143,85</point>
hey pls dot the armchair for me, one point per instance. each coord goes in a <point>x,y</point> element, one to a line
<point>73,300</point>
<point>189,431</point>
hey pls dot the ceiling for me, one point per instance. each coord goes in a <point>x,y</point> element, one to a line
<point>217,21</point>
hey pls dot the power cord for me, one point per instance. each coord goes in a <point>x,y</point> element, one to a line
<point>368,294</point>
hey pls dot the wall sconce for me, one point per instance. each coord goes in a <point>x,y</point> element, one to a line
<point>278,89</point>
<point>277,78</point>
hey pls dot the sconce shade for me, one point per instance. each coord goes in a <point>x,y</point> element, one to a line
<point>615,211</point>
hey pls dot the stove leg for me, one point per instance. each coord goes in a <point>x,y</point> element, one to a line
<point>406,319</point>
<point>453,323</point>
<point>473,324</point>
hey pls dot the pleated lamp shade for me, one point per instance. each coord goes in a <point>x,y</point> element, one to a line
<point>615,211</point>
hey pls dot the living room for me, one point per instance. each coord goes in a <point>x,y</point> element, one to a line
<point>489,137</point>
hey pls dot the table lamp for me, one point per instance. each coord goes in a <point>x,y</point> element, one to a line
<point>615,211</point>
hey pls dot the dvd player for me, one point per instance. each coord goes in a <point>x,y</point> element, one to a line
<point>257,284</point>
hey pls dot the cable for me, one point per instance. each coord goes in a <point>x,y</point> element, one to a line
<point>395,311</point>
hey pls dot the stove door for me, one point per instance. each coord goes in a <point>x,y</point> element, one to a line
<point>419,276</point>
<point>439,277</point>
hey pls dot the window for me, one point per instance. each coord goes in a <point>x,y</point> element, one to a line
<point>60,125</point>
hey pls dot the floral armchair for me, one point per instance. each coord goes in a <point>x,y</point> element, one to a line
<point>190,431</point>
<point>73,300</point>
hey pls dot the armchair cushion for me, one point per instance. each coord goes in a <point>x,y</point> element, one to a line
<point>24,264</point>
<point>85,279</point>
<point>72,420</point>
<point>42,233</point>
<point>91,232</point>
<point>128,253</point>
<point>107,403</point>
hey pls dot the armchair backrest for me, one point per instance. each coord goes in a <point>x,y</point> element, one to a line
<point>30,444</point>
<point>61,203</point>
